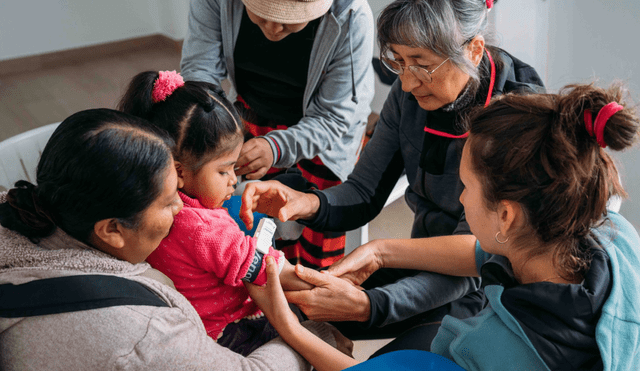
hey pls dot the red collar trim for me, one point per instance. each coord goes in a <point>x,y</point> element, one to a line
<point>489,95</point>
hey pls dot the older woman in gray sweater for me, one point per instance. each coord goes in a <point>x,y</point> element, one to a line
<point>105,197</point>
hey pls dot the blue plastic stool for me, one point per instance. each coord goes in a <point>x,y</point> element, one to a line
<point>408,360</point>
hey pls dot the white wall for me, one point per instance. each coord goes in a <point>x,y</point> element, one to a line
<point>31,27</point>
<point>582,40</point>
<point>173,17</point>
<point>381,90</point>
<point>522,28</point>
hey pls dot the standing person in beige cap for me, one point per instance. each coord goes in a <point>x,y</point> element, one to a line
<point>302,74</point>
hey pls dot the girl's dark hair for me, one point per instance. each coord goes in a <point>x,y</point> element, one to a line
<point>98,164</point>
<point>202,122</point>
<point>535,150</point>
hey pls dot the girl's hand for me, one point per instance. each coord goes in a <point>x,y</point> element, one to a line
<point>359,264</point>
<point>271,300</point>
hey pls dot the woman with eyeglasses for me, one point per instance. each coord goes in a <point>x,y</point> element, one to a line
<point>560,270</point>
<point>439,50</point>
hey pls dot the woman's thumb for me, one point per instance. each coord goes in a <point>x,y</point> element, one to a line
<point>310,276</point>
<point>337,269</point>
<point>273,275</point>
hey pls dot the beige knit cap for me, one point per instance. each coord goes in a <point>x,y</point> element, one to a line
<point>288,11</point>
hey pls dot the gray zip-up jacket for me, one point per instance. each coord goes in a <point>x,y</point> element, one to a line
<point>339,84</point>
<point>125,337</point>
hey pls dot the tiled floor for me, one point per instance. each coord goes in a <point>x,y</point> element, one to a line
<point>363,349</point>
<point>33,99</point>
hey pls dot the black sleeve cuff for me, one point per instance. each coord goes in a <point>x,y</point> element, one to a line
<point>254,268</point>
<point>318,223</point>
<point>378,302</point>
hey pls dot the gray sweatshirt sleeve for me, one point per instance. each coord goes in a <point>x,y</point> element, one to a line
<point>134,338</point>
<point>202,53</point>
<point>332,112</point>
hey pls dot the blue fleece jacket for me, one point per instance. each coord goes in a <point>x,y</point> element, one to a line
<point>495,340</point>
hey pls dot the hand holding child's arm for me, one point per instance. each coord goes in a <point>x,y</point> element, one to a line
<point>290,280</point>
<point>273,303</point>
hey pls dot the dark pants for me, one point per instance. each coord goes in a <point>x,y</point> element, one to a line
<point>247,335</point>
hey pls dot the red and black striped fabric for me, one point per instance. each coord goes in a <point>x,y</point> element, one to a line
<point>313,249</point>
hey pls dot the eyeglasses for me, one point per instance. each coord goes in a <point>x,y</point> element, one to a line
<point>419,72</point>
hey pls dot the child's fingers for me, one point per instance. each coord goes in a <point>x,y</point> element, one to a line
<point>247,206</point>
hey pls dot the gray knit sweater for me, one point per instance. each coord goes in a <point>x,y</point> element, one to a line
<point>116,338</point>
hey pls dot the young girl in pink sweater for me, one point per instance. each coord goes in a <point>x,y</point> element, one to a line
<point>206,255</point>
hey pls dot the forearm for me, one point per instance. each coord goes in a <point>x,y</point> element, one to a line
<point>361,198</point>
<point>321,355</point>
<point>290,281</point>
<point>416,294</point>
<point>451,255</point>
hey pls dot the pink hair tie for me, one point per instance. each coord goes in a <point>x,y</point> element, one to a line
<point>597,128</point>
<point>489,4</point>
<point>165,85</point>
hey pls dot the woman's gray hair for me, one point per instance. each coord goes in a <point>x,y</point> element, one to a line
<point>441,26</point>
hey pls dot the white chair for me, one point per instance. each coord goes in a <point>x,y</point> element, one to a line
<point>615,202</point>
<point>19,155</point>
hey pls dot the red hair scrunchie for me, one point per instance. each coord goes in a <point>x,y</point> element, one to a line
<point>165,85</point>
<point>597,128</point>
<point>489,4</point>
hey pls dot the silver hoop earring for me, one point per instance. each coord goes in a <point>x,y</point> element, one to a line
<point>501,242</point>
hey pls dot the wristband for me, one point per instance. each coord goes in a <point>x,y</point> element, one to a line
<point>264,235</point>
<point>264,239</point>
<point>254,268</point>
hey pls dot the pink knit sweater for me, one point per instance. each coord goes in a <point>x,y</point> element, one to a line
<point>206,255</point>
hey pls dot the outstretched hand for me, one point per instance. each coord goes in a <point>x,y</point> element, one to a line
<point>276,200</point>
<point>332,298</point>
